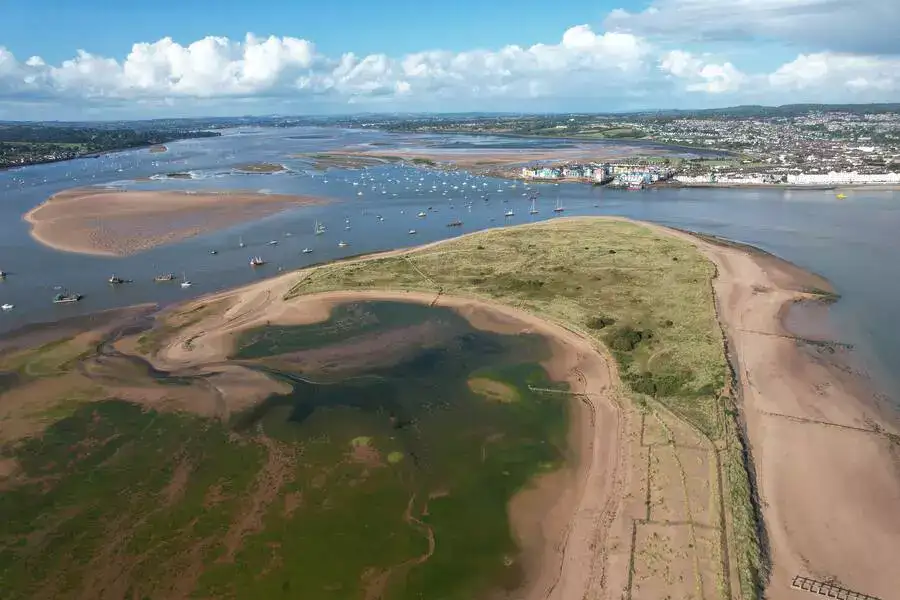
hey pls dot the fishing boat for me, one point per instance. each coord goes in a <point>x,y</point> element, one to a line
<point>164,277</point>
<point>307,250</point>
<point>113,280</point>
<point>184,281</point>
<point>534,209</point>
<point>509,213</point>
<point>2,274</point>
<point>66,298</point>
<point>257,261</point>
<point>455,223</point>
<point>342,244</point>
<point>8,307</point>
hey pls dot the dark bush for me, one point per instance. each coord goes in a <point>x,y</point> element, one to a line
<point>626,339</point>
<point>600,322</point>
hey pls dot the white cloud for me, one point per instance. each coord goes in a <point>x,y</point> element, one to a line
<point>702,76</point>
<point>216,67</point>
<point>584,70</point>
<point>829,71</point>
<point>862,26</point>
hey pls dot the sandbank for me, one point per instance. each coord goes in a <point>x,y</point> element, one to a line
<point>115,222</point>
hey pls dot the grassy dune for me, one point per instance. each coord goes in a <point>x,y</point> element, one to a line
<point>644,295</point>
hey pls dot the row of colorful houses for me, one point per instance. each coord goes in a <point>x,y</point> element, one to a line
<point>591,172</point>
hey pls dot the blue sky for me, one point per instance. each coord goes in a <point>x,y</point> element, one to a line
<point>105,59</point>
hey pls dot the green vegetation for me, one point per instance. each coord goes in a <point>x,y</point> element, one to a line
<point>654,288</point>
<point>25,144</point>
<point>646,296</point>
<point>261,168</point>
<point>333,490</point>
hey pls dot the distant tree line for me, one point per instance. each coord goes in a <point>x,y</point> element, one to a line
<point>25,144</point>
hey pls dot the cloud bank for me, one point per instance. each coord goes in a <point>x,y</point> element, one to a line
<point>637,61</point>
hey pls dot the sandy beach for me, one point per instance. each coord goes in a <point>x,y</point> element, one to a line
<point>827,466</point>
<point>113,222</point>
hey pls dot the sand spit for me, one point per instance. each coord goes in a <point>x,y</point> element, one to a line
<point>119,223</point>
<point>825,455</point>
<point>825,451</point>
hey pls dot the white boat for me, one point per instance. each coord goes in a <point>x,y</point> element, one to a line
<point>559,206</point>
<point>307,250</point>
<point>319,228</point>
<point>273,243</point>
<point>241,243</point>
<point>509,213</point>
<point>7,307</point>
<point>184,281</point>
<point>534,209</point>
<point>412,232</point>
<point>342,244</point>
<point>2,274</point>
<point>421,214</point>
<point>257,261</point>
<point>164,277</point>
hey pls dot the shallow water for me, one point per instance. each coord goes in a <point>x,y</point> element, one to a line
<point>423,438</point>
<point>851,242</point>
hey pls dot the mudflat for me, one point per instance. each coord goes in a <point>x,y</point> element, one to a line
<point>115,222</point>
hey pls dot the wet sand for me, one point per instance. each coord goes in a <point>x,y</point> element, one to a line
<point>119,223</point>
<point>824,447</point>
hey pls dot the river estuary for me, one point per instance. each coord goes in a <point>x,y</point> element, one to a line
<point>852,242</point>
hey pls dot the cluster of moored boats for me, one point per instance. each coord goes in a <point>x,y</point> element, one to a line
<point>66,297</point>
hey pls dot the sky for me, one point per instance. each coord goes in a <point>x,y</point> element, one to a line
<point>104,59</point>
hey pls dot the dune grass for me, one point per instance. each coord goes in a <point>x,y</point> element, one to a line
<point>644,295</point>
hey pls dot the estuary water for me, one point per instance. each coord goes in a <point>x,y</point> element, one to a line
<point>853,242</point>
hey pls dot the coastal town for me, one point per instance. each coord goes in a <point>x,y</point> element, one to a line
<point>788,146</point>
